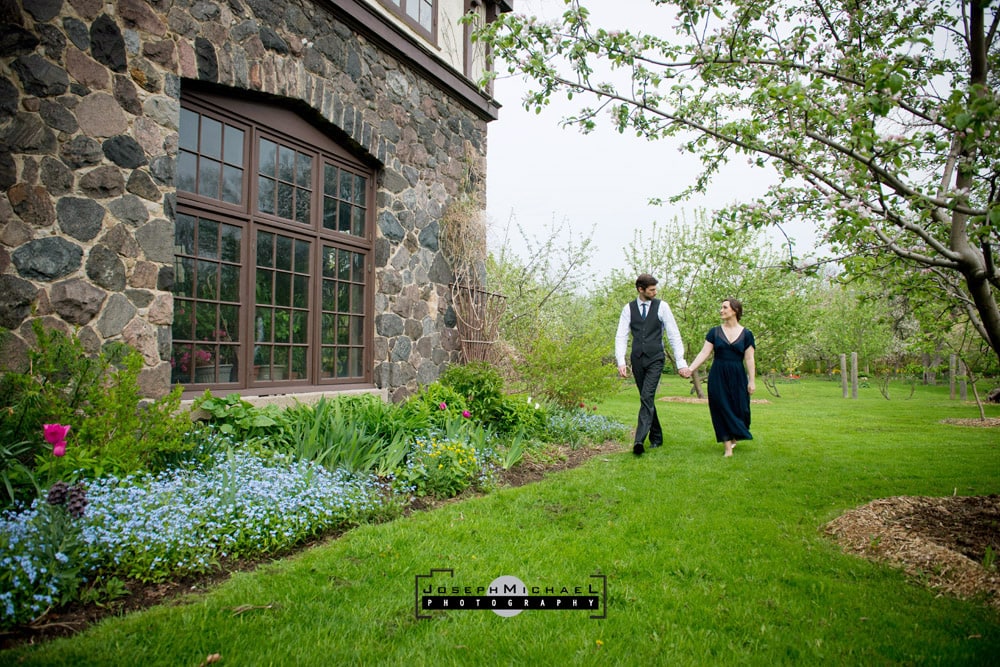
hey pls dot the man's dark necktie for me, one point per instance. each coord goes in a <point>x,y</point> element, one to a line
<point>643,311</point>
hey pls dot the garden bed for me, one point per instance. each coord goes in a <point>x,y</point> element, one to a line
<point>78,616</point>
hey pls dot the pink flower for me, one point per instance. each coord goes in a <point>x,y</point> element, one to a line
<point>443,405</point>
<point>55,435</point>
<point>466,414</point>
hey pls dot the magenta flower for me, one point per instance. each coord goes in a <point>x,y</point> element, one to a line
<point>443,405</point>
<point>466,414</point>
<point>55,435</point>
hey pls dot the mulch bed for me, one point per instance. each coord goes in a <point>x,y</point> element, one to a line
<point>939,541</point>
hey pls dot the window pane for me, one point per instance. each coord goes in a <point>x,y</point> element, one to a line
<point>355,365</point>
<point>330,180</point>
<point>299,363</point>
<point>232,242</point>
<point>264,327</point>
<point>329,213</point>
<point>282,289</point>
<point>302,206</point>
<point>265,195</point>
<point>346,186</point>
<point>204,321</point>
<point>234,145</point>
<point>264,289</point>
<point>268,157</point>
<point>357,298</point>
<point>427,15</point>
<point>184,276</point>
<point>207,280</point>
<point>357,330</point>
<point>229,326</point>
<point>211,138</point>
<point>286,164</point>
<point>328,363</point>
<point>184,233</point>
<point>232,184</point>
<point>343,329</point>
<point>300,326</point>
<point>183,326</point>
<point>209,178</point>
<point>282,325</point>
<point>344,264</point>
<point>343,298</point>
<point>329,262</point>
<point>208,239</point>
<point>187,168</point>
<point>265,249</point>
<point>360,186</point>
<point>283,257</point>
<point>358,221</point>
<point>302,256</point>
<point>342,353</point>
<point>344,223</point>
<point>359,267</point>
<point>285,193</point>
<point>328,331</point>
<point>300,298</point>
<point>329,297</point>
<point>188,134</point>
<point>229,284</point>
<point>303,171</point>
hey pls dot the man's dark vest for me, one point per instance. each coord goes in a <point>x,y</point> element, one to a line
<point>647,334</point>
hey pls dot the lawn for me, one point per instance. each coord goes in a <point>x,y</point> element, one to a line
<point>707,560</point>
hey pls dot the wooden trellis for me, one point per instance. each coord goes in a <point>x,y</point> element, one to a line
<point>478,313</point>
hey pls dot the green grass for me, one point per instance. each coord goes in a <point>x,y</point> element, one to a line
<point>709,560</point>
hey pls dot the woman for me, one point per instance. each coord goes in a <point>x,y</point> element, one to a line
<point>729,384</point>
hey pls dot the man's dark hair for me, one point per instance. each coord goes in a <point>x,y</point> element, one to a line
<point>645,280</point>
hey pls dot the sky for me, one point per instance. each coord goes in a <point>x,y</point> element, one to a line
<point>540,174</point>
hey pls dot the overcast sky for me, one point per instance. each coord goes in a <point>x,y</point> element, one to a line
<point>539,173</point>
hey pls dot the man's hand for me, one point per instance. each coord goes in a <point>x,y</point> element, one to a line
<point>684,372</point>
<point>623,371</point>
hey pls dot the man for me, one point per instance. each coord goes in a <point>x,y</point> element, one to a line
<point>647,319</point>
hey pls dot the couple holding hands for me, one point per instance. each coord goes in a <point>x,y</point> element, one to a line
<point>730,380</point>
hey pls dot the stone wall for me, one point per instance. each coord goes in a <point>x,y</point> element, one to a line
<point>89,108</point>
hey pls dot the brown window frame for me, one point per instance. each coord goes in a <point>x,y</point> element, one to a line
<point>303,369</point>
<point>400,11</point>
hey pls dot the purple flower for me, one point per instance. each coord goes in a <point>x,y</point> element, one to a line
<point>443,405</point>
<point>466,414</point>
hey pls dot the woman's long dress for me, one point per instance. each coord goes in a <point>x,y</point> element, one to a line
<point>728,398</point>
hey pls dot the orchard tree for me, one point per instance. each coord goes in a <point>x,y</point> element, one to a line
<point>879,118</point>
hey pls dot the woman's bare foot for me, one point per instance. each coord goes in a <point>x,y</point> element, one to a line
<point>729,448</point>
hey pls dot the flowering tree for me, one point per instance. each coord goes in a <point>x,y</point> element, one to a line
<point>880,118</point>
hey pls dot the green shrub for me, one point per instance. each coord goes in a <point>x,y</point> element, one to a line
<point>568,368</point>
<point>112,427</point>
<point>433,406</point>
<point>480,385</point>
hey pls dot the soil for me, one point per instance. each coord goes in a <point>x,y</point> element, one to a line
<point>942,542</point>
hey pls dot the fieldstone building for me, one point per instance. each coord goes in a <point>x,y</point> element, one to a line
<point>249,192</point>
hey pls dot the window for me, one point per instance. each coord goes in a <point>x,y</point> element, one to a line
<point>273,244</point>
<point>419,14</point>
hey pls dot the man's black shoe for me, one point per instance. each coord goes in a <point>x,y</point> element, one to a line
<point>638,449</point>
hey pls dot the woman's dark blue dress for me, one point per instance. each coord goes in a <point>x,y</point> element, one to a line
<point>728,398</point>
